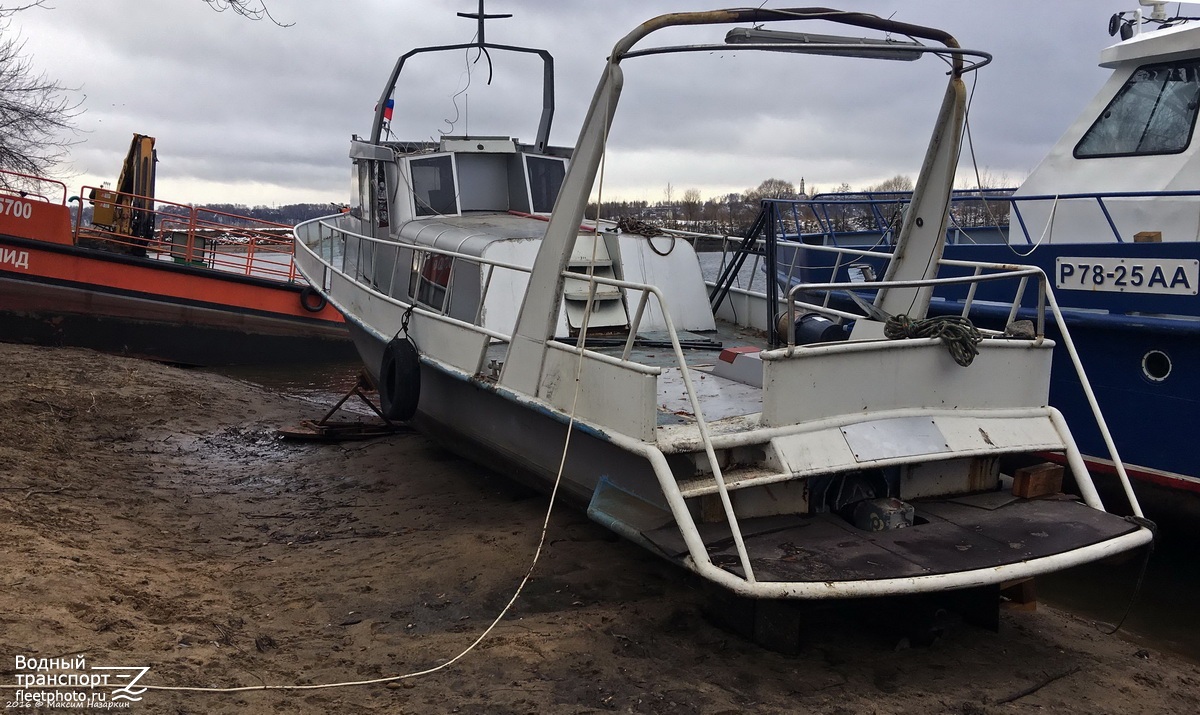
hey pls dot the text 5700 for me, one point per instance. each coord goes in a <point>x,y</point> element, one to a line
<point>15,207</point>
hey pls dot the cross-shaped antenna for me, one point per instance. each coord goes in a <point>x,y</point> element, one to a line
<point>481,16</point>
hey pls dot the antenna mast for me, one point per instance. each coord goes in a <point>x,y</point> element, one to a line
<point>481,16</point>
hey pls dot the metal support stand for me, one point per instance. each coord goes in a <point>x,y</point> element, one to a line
<point>329,430</point>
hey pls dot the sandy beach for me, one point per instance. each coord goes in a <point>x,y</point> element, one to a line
<point>149,516</point>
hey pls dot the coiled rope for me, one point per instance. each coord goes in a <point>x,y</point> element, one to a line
<point>628,224</point>
<point>959,335</point>
<point>638,226</point>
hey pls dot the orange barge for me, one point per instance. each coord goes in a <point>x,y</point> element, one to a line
<point>191,286</point>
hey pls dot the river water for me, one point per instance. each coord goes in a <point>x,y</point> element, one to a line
<point>321,383</point>
<point>1163,614</point>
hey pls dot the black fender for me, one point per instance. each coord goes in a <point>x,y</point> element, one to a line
<point>399,380</point>
<point>311,300</point>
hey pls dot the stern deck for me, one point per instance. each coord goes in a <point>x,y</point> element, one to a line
<point>958,535</point>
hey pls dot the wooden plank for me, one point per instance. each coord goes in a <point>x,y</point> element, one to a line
<point>1038,480</point>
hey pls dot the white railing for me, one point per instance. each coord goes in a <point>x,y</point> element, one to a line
<point>324,253</point>
<point>328,237</point>
<point>1008,273</point>
<point>1046,300</point>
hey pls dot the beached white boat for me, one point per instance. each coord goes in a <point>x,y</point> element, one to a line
<point>861,466</point>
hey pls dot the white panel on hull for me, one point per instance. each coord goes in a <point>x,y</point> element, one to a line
<point>609,395</point>
<point>677,275</point>
<point>880,376</point>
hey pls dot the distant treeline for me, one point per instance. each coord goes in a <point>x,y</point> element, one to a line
<point>734,214</point>
<point>290,214</point>
<point>228,214</point>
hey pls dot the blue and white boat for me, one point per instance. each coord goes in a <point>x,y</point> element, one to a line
<point>1112,216</point>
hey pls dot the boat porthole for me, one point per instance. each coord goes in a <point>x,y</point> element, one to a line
<point>1156,365</point>
<point>311,300</point>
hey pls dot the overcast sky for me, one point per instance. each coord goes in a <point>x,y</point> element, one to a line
<point>249,112</point>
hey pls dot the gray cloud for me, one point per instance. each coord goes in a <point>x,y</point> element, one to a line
<point>250,112</point>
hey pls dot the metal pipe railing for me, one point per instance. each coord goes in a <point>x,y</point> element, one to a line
<point>21,178</point>
<point>1045,296</point>
<point>328,238</point>
<point>163,221</point>
<point>667,480</point>
<point>862,212</point>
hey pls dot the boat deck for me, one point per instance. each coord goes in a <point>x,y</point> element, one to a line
<point>974,532</point>
<point>720,398</point>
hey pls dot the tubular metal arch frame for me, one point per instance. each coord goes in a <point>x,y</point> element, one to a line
<point>547,116</point>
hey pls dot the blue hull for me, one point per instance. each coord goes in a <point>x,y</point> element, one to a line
<point>1145,370</point>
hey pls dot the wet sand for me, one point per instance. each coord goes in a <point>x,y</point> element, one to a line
<point>148,516</point>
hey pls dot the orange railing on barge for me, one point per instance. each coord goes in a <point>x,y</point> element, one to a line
<point>189,235</point>
<point>37,208</point>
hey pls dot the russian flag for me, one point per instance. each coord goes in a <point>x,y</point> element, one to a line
<point>387,110</point>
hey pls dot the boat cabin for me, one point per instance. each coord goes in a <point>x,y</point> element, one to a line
<point>1136,136</point>
<point>490,197</point>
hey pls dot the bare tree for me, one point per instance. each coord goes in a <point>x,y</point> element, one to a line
<point>886,210</point>
<point>7,11</point>
<point>35,112</point>
<point>691,204</point>
<point>992,208</point>
<point>898,183</point>
<point>252,9</point>
<point>985,179</point>
<point>771,189</point>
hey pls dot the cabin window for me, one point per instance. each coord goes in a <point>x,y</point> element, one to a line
<point>433,185</point>
<point>545,179</point>
<point>430,281</point>
<point>1153,113</point>
<point>360,204</point>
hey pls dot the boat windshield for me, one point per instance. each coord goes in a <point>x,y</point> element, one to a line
<point>450,184</point>
<point>545,178</point>
<point>433,185</point>
<point>1154,113</point>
